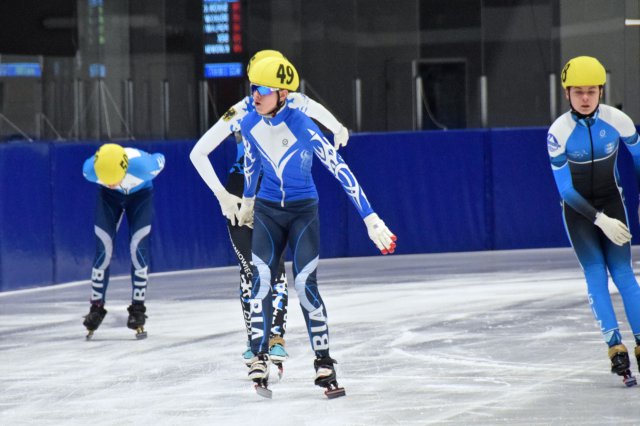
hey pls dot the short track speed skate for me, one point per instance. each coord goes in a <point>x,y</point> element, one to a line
<point>326,377</point>
<point>137,319</point>
<point>93,319</point>
<point>259,373</point>
<point>619,357</point>
<point>277,354</point>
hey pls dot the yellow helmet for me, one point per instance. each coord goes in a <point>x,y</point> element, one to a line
<point>111,163</point>
<point>277,73</point>
<point>267,53</point>
<point>583,71</point>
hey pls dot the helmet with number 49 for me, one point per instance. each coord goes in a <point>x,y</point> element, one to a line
<point>258,56</point>
<point>276,73</point>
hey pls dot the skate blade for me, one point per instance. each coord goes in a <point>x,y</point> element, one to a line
<point>141,334</point>
<point>89,335</point>
<point>277,359</point>
<point>263,391</point>
<point>336,392</point>
<point>280,369</point>
<point>629,381</point>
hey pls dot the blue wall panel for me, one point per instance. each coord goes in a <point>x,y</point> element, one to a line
<point>25,215</point>
<point>428,187</point>
<point>526,203</point>
<point>438,191</point>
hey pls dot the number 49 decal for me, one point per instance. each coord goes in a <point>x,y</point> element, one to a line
<point>285,74</point>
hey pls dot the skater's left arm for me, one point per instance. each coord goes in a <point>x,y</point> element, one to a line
<point>382,237</point>
<point>318,112</point>
<point>151,165</point>
<point>630,137</point>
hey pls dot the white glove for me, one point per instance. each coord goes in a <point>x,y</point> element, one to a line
<point>341,138</point>
<point>380,234</point>
<point>229,204</point>
<point>245,214</point>
<point>615,230</point>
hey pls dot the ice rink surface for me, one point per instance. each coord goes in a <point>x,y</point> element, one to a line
<point>495,338</point>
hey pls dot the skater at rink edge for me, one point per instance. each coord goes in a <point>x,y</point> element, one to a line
<point>583,148</point>
<point>280,142</point>
<point>229,198</point>
<point>124,177</point>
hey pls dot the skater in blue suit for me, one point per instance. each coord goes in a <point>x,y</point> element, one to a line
<point>281,142</point>
<point>229,198</point>
<point>124,177</point>
<point>583,147</point>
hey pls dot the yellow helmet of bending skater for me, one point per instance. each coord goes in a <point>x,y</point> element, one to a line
<point>267,53</point>
<point>583,71</point>
<point>111,163</point>
<point>277,73</point>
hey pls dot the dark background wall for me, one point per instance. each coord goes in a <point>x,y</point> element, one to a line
<point>518,45</point>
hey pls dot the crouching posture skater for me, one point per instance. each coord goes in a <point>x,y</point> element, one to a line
<point>281,142</point>
<point>124,176</point>
<point>583,147</point>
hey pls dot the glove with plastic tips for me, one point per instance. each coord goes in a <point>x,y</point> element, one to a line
<point>615,230</point>
<point>381,236</point>
<point>340,138</point>
<point>245,214</point>
<point>229,204</point>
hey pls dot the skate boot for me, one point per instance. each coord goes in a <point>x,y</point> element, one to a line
<point>247,356</point>
<point>326,377</point>
<point>93,319</point>
<point>259,373</point>
<point>637,351</point>
<point>137,319</point>
<point>277,353</point>
<point>620,364</point>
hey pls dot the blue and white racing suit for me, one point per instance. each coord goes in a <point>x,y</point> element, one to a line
<point>583,155</point>
<point>286,212</point>
<point>133,197</point>
<point>240,236</point>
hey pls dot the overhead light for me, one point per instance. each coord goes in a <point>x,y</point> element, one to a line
<point>631,22</point>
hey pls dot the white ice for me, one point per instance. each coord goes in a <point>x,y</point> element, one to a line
<point>468,338</point>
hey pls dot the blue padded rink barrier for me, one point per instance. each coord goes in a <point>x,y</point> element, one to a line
<point>494,337</point>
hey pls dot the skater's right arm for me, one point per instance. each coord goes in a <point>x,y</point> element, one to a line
<point>252,169</point>
<point>199,156</point>
<point>88,171</point>
<point>556,147</point>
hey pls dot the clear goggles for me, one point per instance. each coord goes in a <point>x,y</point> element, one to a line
<point>263,90</point>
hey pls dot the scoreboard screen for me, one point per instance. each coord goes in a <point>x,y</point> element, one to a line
<point>223,43</point>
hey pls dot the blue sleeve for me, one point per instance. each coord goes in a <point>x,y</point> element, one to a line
<point>252,167</point>
<point>633,143</point>
<point>88,171</point>
<point>336,165</point>
<point>156,165</point>
<point>562,176</point>
<point>147,166</point>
